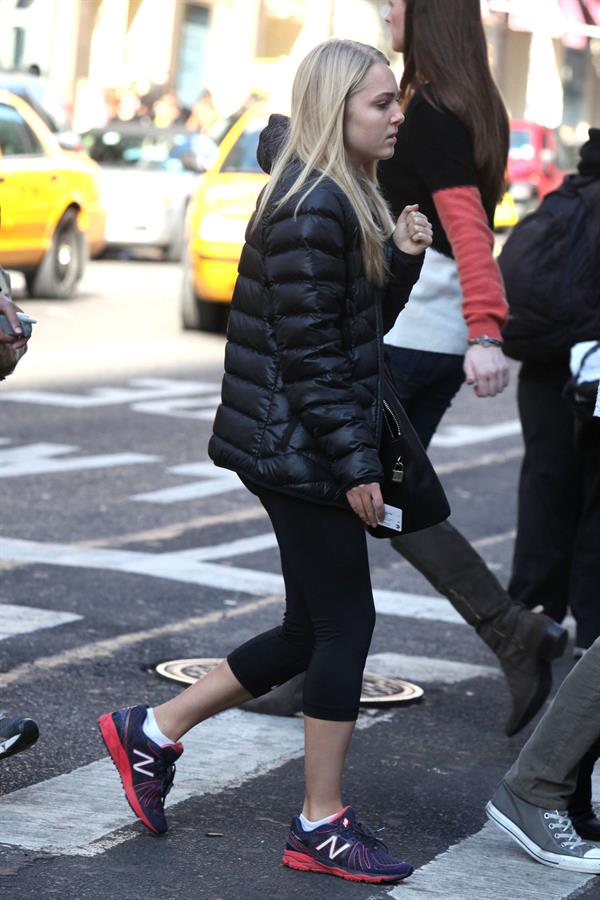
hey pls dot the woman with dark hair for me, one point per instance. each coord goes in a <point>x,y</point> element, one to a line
<point>450,158</point>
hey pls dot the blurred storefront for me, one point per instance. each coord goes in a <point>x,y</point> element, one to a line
<point>231,47</point>
<point>545,53</point>
<point>546,58</point>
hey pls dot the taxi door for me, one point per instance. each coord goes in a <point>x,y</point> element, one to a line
<point>28,191</point>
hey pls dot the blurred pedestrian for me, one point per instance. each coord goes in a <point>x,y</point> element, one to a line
<point>204,114</point>
<point>168,111</point>
<point>298,422</point>
<point>450,159</point>
<point>552,271</point>
<point>16,733</point>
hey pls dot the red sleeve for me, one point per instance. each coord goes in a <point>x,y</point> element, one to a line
<point>465,222</point>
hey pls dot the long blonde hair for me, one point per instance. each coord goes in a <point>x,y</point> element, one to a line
<point>326,79</point>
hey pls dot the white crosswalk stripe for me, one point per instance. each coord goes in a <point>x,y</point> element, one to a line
<point>188,566</point>
<point>490,865</point>
<point>27,619</point>
<point>223,752</point>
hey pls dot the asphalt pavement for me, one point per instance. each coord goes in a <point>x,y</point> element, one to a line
<point>122,546</point>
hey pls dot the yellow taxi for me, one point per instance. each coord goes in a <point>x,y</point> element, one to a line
<point>506,214</point>
<point>216,223</point>
<point>50,211</point>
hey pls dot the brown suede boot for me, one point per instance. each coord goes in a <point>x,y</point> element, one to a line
<point>284,700</point>
<point>524,642</point>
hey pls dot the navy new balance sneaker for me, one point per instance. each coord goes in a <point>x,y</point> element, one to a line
<point>146,770</point>
<point>344,848</point>
<point>16,734</point>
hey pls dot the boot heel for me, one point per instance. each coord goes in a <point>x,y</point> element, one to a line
<point>554,642</point>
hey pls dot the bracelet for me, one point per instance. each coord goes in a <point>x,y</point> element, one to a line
<point>485,341</point>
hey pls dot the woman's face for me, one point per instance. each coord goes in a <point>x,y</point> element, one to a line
<point>372,117</point>
<point>395,11</point>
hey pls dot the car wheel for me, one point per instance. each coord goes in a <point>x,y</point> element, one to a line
<point>198,314</point>
<point>62,266</point>
<point>190,317</point>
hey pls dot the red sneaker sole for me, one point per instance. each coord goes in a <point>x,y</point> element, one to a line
<point>304,863</point>
<point>113,744</point>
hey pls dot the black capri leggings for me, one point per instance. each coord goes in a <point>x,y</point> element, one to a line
<point>329,612</point>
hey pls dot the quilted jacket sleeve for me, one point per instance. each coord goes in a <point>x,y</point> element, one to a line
<point>306,274</point>
<point>404,272</point>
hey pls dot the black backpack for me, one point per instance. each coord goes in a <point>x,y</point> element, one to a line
<point>551,269</point>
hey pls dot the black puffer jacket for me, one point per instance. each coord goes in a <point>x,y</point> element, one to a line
<point>301,398</point>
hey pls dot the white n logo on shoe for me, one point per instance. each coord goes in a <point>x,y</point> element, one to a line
<point>334,850</point>
<point>145,761</point>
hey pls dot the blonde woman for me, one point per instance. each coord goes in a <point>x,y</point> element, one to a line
<point>322,277</point>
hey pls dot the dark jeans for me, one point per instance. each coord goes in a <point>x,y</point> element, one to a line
<point>329,613</point>
<point>426,383</point>
<point>557,550</point>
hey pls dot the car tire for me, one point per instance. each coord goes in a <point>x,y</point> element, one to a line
<point>198,314</point>
<point>63,264</point>
<point>173,252</point>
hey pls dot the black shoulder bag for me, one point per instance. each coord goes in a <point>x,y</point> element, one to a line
<point>410,481</point>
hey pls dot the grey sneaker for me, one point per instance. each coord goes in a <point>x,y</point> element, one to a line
<point>546,834</point>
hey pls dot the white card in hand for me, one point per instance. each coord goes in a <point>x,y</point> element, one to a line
<point>392,518</point>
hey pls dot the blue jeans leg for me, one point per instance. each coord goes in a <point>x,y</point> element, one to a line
<point>426,383</point>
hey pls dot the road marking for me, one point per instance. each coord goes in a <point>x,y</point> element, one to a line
<point>462,435</point>
<point>220,481</point>
<point>216,481</point>
<point>140,389</point>
<point>41,459</point>
<point>164,533</point>
<point>177,567</point>
<point>427,669</point>
<point>221,753</point>
<point>186,567</point>
<point>26,619</point>
<point>203,408</point>
<point>239,547</point>
<point>488,459</point>
<point>110,646</point>
<point>489,865</point>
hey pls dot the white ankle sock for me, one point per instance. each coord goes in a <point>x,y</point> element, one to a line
<point>152,731</point>
<point>307,825</point>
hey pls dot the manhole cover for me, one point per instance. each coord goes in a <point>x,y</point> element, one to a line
<point>377,690</point>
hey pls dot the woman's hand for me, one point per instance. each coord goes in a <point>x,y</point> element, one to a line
<point>10,310</point>
<point>413,231</point>
<point>486,369</point>
<point>366,501</point>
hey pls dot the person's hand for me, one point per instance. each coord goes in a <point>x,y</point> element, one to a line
<point>10,310</point>
<point>413,231</point>
<point>9,357</point>
<point>486,369</point>
<point>366,501</point>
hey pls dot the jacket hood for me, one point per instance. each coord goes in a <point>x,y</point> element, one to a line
<point>270,141</point>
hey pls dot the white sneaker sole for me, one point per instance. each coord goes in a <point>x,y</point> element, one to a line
<point>556,860</point>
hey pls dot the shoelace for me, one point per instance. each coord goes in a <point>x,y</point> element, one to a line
<point>368,836</point>
<point>562,821</point>
<point>167,782</point>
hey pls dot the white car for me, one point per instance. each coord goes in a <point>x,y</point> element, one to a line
<point>147,175</point>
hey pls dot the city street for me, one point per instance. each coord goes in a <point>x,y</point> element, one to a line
<point>122,546</point>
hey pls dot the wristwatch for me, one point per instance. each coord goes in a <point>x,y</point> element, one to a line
<point>484,340</point>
